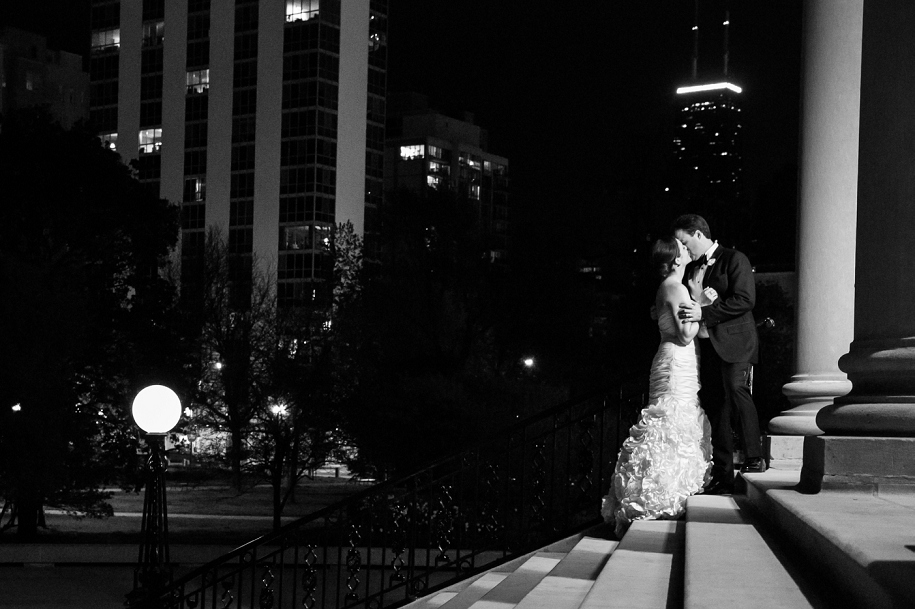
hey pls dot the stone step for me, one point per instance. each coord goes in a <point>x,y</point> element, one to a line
<point>731,561</point>
<point>645,571</point>
<point>569,582</point>
<point>512,590</point>
<point>861,541</point>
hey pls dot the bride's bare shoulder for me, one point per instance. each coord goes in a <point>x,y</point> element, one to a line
<point>671,289</point>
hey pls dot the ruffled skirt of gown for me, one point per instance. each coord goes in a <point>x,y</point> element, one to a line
<point>667,456</point>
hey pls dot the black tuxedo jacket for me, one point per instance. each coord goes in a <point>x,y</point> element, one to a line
<point>729,319</point>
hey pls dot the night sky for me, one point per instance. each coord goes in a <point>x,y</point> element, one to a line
<point>578,98</point>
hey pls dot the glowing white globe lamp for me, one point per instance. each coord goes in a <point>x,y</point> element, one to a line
<point>156,409</point>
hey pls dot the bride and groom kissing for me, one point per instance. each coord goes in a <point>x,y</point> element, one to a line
<point>683,442</point>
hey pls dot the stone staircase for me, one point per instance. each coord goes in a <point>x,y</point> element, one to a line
<point>771,547</point>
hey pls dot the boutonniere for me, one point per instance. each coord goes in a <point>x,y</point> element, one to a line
<point>711,261</point>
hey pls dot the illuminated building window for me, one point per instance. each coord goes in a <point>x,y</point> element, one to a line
<point>106,39</point>
<point>153,33</point>
<point>322,236</point>
<point>195,190</point>
<point>301,10</point>
<point>377,40</point>
<point>109,140</point>
<point>474,192</point>
<point>409,153</point>
<point>295,237</point>
<point>150,140</point>
<point>435,152</point>
<point>469,160</point>
<point>433,182</point>
<point>198,81</point>
<point>438,168</point>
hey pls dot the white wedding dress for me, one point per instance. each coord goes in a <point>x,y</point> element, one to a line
<point>667,456</point>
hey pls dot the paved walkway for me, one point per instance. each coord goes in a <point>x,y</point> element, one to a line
<point>64,587</point>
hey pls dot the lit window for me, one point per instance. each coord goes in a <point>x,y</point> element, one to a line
<point>439,168</point>
<point>295,237</point>
<point>109,140</point>
<point>106,39</point>
<point>376,41</point>
<point>30,81</point>
<point>198,81</point>
<point>409,153</point>
<point>301,10</point>
<point>150,140</point>
<point>435,151</point>
<point>153,33</point>
<point>195,189</point>
<point>487,168</point>
<point>474,192</point>
<point>322,235</point>
<point>433,182</point>
<point>469,160</point>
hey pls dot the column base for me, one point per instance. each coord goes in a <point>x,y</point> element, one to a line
<point>872,415</point>
<point>808,394</point>
<point>857,463</point>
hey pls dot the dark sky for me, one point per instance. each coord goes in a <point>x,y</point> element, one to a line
<point>577,97</point>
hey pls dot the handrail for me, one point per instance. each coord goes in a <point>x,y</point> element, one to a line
<point>534,482</point>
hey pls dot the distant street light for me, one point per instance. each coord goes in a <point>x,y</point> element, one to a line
<point>528,362</point>
<point>156,410</point>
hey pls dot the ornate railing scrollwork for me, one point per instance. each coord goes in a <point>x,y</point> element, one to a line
<point>519,490</point>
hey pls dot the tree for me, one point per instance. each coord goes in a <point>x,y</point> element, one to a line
<point>436,338</point>
<point>81,243</point>
<point>267,375</point>
<point>234,326</point>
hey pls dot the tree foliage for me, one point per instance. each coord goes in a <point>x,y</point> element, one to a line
<point>437,336</point>
<point>81,242</point>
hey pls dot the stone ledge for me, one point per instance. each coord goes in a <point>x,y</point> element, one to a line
<point>860,542</point>
<point>847,462</point>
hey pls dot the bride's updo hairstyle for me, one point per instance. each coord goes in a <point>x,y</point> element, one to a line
<point>663,254</point>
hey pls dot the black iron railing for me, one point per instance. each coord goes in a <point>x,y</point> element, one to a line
<point>528,486</point>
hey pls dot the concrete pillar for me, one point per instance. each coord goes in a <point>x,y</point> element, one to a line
<point>827,211</point>
<point>881,361</point>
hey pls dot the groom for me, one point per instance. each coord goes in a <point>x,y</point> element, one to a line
<point>730,349</point>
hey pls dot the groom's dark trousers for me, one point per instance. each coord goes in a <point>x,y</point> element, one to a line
<point>725,396</point>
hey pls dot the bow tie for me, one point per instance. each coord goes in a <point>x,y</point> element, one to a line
<point>703,259</point>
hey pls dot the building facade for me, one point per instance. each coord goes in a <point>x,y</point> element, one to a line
<point>31,74</point>
<point>429,150</point>
<point>263,118</point>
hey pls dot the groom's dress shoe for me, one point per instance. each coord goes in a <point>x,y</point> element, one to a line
<point>719,487</point>
<point>754,465</point>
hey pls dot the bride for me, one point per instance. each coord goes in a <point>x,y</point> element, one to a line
<point>667,456</point>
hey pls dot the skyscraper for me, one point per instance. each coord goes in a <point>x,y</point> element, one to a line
<point>263,118</point>
<point>708,130</point>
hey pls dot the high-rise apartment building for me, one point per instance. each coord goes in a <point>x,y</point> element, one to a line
<point>429,150</point>
<point>31,74</point>
<point>263,118</point>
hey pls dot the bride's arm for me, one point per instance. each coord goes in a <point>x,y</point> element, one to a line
<point>673,297</point>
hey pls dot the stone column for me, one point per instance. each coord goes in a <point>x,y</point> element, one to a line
<point>879,412</point>
<point>827,211</point>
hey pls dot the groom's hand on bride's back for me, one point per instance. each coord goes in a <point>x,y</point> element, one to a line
<point>690,312</point>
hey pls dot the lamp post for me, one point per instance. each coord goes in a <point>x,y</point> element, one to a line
<point>156,410</point>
